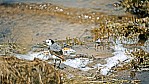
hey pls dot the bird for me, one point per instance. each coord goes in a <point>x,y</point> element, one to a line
<point>54,47</point>
<point>98,43</point>
<point>56,50</point>
<point>142,38</point>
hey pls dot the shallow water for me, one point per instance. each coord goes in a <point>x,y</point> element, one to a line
<point>96,5</point>
<point>143,76</point>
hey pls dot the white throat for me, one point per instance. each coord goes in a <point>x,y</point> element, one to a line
<point>48,42</point>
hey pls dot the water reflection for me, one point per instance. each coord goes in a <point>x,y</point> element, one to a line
<point>91,4</point>
<point>143,76</point>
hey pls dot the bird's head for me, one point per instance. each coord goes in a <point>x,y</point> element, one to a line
<point>49,42</point>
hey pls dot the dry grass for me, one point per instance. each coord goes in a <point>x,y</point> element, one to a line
<point>16,71</point>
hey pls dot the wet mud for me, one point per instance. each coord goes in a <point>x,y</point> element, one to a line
<point>29,24</point>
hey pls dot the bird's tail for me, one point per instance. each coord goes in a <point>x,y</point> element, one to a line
<point>61,52</point>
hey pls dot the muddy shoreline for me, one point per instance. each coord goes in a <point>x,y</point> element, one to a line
<point>30,24</point>
<point>105,6</point>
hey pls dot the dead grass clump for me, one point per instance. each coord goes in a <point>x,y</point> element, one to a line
<point>16,71</point>
<point>137,7</point>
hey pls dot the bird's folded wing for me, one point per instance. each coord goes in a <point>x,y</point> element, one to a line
<point>55,47</point>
